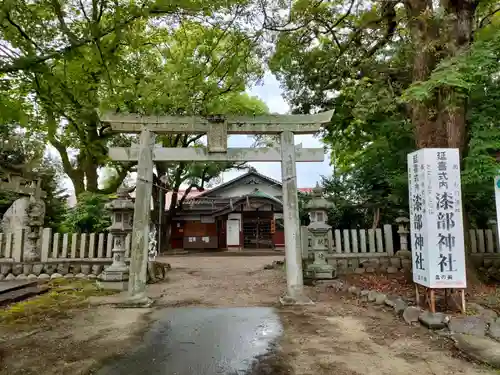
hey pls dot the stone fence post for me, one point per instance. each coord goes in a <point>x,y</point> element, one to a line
<point>494,227</point>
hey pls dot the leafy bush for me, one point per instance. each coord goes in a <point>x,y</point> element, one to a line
<point>89,215</point>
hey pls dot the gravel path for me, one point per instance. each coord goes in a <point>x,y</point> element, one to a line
<point>220,281</point>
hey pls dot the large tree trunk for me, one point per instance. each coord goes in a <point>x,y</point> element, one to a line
<point>425,38</point>
<point>78,180</point>
<point>459,21</point>
<point>92,178</point>
<point>440,122</point>
<point>460,15</point>
<point>167,231</point>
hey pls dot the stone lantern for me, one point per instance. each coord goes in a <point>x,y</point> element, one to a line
<point>122,214</point>
<point>403,232</point>
<point>318,208</point>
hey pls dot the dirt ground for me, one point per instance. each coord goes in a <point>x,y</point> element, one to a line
<point>343,337</point>
<point>337,335</point>
<point>220,281</point>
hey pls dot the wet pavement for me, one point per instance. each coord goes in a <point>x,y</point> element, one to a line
<point>201,341</point>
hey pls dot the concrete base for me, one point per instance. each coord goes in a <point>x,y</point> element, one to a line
<point>300,300</point>
<point>135,302</point>
<point>320,272</point>
<point>113,279</point>
<point>122,300</point>
<point>113,285</point>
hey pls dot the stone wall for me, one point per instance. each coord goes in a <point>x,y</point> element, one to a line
<point>360,265</point>
<point>44,271</point>
<point>487,264</point>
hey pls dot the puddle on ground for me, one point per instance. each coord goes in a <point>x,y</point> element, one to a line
<point>202,341</point>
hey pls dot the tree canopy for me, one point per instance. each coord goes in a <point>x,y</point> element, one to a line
<point>401,75</point>
<point>64,62</point>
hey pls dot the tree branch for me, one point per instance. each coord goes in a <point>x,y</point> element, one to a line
<point>486,18</point>
<point>193,139</point>
<point>82,7</point>
<point>21,31</point>
<point>62,23</point>
<point>59,146</point>
<point>28,62</point>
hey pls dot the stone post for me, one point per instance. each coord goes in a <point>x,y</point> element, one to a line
<point>318,213</point>
<point>116,276</point>
<point>403,232</point>
<point>142,213</point>
<point>293,246</point>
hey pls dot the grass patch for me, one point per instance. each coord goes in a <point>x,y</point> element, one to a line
<point>60,302</point>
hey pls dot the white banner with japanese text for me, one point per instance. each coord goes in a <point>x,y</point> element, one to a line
<point>436,221</point>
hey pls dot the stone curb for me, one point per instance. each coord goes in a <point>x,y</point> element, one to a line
<point>19,271</point>
<point>50,271</point>
<point>477,336</point>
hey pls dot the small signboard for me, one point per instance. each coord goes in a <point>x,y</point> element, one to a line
<point>436,222</point>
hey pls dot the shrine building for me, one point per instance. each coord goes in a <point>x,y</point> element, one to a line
<point>244,213</point>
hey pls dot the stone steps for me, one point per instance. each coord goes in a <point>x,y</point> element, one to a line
<point>15,291</point>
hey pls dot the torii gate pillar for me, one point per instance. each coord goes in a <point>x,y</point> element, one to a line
<point>142,216</point>
<point>291,221</point>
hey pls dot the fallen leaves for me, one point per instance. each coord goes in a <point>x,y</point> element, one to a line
<point>397,284</point>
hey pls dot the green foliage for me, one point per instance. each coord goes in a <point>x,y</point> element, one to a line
<point>171,176</point>
<point>6,199</point>
<point>152,57</point>
<point>304,198</point>
<point>359,59</point>
<point>89,215</point>
<point>20,152</point>
<point>56,206</point>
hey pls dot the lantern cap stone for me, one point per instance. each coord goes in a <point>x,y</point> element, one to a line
<point>402,220</point>
<point>123,201</point>
<point>318,202</point>
<point>123,192</point>
<point>317,191</point>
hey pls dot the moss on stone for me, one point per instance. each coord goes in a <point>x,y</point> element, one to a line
<point>63,299</point>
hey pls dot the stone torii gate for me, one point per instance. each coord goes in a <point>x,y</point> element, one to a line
<point>217,129</point>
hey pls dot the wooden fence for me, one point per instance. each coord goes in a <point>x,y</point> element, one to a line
<point>349,243</point>
<point>346,243</point>
<point>58,247</point>
<point>484,241</point>
<point>385,242</point>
